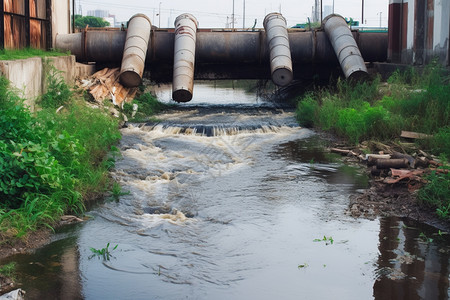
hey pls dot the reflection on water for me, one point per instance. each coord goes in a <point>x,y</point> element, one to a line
<point>52,272</point>
<point>221,92</point>
<point>233,215</point>
<point>413,261</point>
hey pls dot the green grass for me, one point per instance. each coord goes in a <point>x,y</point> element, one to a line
<point>27,53</point>
<point>51,163</point>
<point>8,270</point>
<point>413,102</point>
<point>436,194</point>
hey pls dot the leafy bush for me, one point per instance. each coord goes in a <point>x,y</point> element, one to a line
<point>50,161</point>
<point>435,193</point>
<point>415,102</point>
<point>58,92</point>
<point>306,111</point>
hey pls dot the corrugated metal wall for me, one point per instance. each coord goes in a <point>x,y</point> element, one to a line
<point>25,23</point>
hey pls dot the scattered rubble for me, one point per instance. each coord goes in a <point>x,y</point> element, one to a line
<point>18,294</point>
<point>396,176</point>
<point>105,85</point>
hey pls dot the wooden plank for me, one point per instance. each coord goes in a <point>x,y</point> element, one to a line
<point>27,24</point>
<point>48,25</point>
<point>2,25</point>
<point>414,135</point>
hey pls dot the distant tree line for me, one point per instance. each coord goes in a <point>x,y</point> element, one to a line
<point>82,22</point>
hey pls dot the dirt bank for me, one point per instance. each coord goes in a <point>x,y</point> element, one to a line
<point>383,199</point>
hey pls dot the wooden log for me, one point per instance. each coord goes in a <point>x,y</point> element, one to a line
<point>392,163</point>
<point>375,172</point>
<point>377,156</point>
<point>414,135</point>
<point>410,159</point>
<point>422,162</point>
<point>372,158</point>
<point>340,151</point>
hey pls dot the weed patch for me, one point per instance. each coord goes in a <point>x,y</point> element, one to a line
<point>8,270</point>
<point>435,194</point>
<point>50,162</point>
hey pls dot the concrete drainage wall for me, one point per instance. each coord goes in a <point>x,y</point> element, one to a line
<point>28,75</point>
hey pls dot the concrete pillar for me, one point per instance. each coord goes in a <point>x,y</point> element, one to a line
<point>395,31</point>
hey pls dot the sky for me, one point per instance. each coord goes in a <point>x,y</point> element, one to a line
<point>215,14</point>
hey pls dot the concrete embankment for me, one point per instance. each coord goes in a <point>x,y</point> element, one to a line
<point>28,75</point>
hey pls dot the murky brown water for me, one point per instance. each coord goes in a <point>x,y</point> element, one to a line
<point>236,215</point>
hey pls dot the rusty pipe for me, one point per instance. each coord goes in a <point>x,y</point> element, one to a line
<point>135,50</point>
<point>279,49</point>
<point>345,47</point>
<point>220,47</point>
<point>184,57</point>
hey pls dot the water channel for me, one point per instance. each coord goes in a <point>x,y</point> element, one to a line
<point>229,199</point>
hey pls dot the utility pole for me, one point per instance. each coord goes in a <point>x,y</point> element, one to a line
<point>333,7</point>
<point>380,18</point>
<point>232,17</point>
<point>362,13</point>
<point>159,16</point>
<point>243,19</point>
<point>73,16</point>
<point>321,11</point>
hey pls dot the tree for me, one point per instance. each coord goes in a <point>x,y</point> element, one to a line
<point>81,22</point>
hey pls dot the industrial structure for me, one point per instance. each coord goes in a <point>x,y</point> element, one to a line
<point>419,31</point>
<point>32,23</point>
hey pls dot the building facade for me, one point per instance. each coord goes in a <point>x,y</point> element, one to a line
<point>32,23</point>
<point>419,31</point>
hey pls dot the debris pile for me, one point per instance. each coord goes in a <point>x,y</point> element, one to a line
<point>391,167</point>
<point>398,171</point>
<point>105,85</point>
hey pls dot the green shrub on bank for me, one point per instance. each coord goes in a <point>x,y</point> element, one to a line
<point>414,102</point>
<point>435,194</point>
<point>50,162</point>
<point>57,92</point>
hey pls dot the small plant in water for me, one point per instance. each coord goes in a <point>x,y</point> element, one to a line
<point>303,266</point>
<point>117,191</point>
<point>328,240</point>
<point>424,238</point>
<point>104,252</point>
<point>8,270</point>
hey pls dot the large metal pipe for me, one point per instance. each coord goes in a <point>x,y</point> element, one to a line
<point>135,51</point>
<point>345,47</point>
<point>279,49</point>
<point>219,47</point>
<point>184,57</point>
